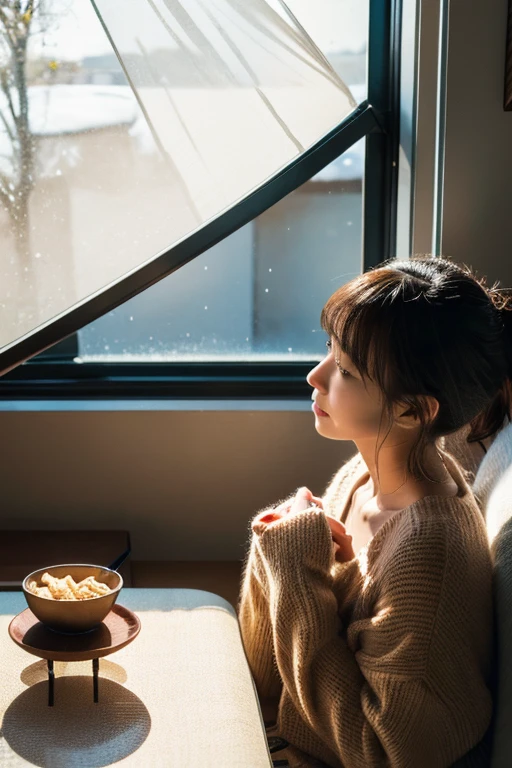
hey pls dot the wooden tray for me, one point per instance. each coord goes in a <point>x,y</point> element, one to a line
<point>119,628</point>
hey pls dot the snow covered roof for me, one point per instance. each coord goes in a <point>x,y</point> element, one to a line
<point>55,110</point>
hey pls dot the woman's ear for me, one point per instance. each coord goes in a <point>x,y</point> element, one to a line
<point>407,415</point>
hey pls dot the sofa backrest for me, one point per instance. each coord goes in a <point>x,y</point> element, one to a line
<point>498,514</point>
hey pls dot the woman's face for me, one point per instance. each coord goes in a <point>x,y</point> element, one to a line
<point>346,407</point>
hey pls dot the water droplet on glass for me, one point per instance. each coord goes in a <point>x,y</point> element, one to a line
<point>151,338</point>
<point>206,267</point>
<point>266,290</point>
<point>247,338</point>
<point>187,335</point>
<point>131,318</point>
<point>206,307</point>
<point>349,223</point>
<point>107,347</point>
<point>347,161</point>
<point>37,255</point>
<point>290,349</point>
<point>58,172</point>
<point>270,269</point>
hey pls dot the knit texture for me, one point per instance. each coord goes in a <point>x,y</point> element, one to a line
<point>384,660</point>
<point>492,467</point>
<point>493,487</point>
<point>457,445</point>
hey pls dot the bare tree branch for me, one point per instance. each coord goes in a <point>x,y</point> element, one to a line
<point>6,201</point>
<point>6,88</point>
<point>16,18</point>
<point>8,27</point>
<point>5,181</point>
<point>8,128</point>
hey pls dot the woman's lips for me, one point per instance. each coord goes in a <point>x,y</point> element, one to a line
<point>318,411</point>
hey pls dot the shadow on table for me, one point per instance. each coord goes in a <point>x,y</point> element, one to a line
<point>38,672</point>
<point>76,731</point>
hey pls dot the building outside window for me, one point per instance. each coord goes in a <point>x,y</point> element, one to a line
<point>121,139</point>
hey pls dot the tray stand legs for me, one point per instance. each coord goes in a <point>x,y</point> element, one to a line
<point>95,669</point>
<point>51,681</point>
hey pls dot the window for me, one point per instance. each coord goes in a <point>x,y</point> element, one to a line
<point>193,142</point>
<point>253,296</point>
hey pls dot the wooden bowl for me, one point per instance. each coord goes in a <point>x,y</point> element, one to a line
<point>73,615</point>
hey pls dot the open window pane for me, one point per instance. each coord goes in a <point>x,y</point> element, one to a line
<point>339,28</point>
<point>98,176</point>
<point>258,294</point>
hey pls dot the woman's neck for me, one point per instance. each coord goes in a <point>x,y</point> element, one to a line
<point>393,485</point>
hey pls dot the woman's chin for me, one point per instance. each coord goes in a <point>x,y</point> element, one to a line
<point>323,429</point>
<point>326,428</point>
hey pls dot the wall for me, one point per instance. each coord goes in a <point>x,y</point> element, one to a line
<point>478,142</point>
<point>184,483</point>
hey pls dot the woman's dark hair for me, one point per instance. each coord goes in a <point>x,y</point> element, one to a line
<point>427,326</point>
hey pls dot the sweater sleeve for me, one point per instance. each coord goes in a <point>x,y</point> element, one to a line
<point>253,603</point>
<point>256,627</point>
<point>360,695</point>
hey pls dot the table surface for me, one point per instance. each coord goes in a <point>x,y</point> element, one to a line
<point>180,695</point>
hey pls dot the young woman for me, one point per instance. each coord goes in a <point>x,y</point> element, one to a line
<point>367,614</point>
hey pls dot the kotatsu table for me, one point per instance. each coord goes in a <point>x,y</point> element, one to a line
<point>180,694</point>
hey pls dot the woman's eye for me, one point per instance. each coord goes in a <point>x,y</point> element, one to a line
<point>343,371</point>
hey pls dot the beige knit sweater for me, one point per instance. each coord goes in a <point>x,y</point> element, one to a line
<point>457,445</point>
<point>384,660</point>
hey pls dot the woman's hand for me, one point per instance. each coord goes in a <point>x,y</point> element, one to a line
<point>342,541</point>
<point>304,499</point>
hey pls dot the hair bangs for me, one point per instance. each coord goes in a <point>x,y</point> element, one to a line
<point>353,318</point>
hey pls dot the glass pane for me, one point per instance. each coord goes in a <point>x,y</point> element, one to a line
<point>103,166</point>
<point>256,295</point>
<point>340,30</point>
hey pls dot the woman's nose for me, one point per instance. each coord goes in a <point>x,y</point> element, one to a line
<point>317,378</point>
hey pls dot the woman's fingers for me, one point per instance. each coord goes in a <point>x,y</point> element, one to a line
<point>340,538</point>
<point>301,501</point>
<point>284,507</point>
<point>337,528</point>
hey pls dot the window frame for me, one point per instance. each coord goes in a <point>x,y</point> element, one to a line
<point>53,374</point>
